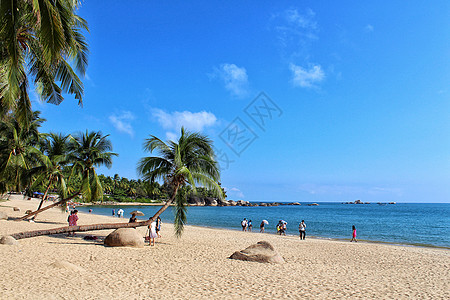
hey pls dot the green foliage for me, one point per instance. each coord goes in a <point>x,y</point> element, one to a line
<point>40,41</point>
<point>187,162</point>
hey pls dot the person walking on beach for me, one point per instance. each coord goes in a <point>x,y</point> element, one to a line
<point>302,229</point>
<point>73,218</point>
<point>249,225</point>
<point>353,234</point>
<point>261,227</point>
<point>152,233</point>
<point>244,224</point>
<point>158,226</point>
<point>279,225</point>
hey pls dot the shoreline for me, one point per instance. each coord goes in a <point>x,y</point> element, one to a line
<point>406,244</point>
<point>333,239</point>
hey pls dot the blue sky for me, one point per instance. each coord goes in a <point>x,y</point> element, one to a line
<point>355,101</point>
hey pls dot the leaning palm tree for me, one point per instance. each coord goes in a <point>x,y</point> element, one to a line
<point>51,169</point>
<point>40,41</point>
<point>86,152</point>
<point>188,162</point>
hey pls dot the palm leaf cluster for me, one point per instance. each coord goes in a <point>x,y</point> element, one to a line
<point>19,152</point>
<point>41,41</point>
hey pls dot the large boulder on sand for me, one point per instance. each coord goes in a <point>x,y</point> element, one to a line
<point>16,208</point>
<point>8,240</point>
<point>262,252</point>
<point>3,215</point>
<point>124,237</point>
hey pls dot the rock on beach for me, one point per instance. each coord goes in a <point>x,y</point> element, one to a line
<point>8,240</point>
<point>262,252</point>
<point>124,237</point>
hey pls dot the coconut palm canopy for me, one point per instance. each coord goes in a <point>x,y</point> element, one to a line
<point>189,161</point>
<point>39,40</point>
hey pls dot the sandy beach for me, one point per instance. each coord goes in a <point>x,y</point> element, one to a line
<point>197,265</point>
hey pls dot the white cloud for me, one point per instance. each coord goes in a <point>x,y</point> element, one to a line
<point>298,20</point>
<point>295,31</point>
<point>194,121</point>
<point>369,28</point>
<point>234,78</point>
<point>122,122</point>
<point>234,192</point>
<point>171,136</point>
<point>307,78</point>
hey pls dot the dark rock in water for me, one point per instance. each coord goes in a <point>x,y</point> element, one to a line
<point>262,252</point>
<point>294,203</point>
<point>195,201</point>
<point>263,204</point>
<point>231,203</point>
<point>124,237</point>
<point>313,204</point>
<point>210,201</point>
<point>221,202</point>
<point>242,203</point>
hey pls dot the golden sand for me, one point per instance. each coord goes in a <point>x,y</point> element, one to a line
<point>197,265</point>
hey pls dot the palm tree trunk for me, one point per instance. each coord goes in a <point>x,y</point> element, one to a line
<point>29,234</point>
<point>44,197</point>
<point>48,207</point>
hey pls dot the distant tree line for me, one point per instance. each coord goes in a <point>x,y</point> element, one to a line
<point>122,189</point>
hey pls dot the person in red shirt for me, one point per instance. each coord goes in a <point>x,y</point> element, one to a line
<point>73,218</point>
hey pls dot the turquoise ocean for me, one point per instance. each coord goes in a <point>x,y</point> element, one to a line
<point>417,224</point>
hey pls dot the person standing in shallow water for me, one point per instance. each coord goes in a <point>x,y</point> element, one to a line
<point>250,225</point>
<point>261,227</point>
<point>353,234</point>
<point>302,229</point>
<point>244,224</point>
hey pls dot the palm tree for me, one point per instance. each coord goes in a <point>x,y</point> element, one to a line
<point>55,148</point>
<point>39,40</point>
<point>86,152</point>
<point>18,152</point>
<point>187,162</point>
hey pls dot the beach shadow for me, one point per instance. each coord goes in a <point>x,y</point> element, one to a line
<point>38,222</point>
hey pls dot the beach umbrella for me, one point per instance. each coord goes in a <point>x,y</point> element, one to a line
<point>137,213</point>
<point>265,222</point>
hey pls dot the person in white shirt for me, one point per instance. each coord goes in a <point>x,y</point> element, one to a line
<point>302,229</point>
<point>244,224</point>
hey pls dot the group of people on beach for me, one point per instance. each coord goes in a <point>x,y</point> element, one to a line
<point>282,228</point>
<point>119,213</point>
<point>153,231</point>
<point>247,225</point>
